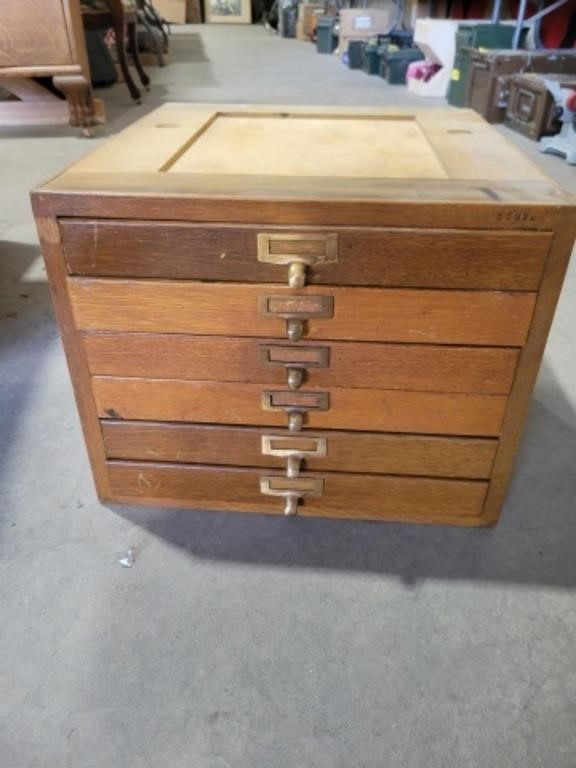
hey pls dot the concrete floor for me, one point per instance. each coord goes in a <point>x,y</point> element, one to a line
<point>244,642</point>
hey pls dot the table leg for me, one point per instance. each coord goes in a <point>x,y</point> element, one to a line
<point>133,44</point>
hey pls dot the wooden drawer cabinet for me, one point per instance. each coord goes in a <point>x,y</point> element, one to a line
<point>339,323</point>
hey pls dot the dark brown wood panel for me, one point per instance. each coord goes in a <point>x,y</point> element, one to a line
<point>362,314</point>
<point>356,409</point>
<point>346,451</point>
<point>443,258</point>
<point>429,368</point>
<point>368,497</point>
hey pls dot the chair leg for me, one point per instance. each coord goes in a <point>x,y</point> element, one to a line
<point>133,43</point>
<point>157,44</point>
<point>121,48</point>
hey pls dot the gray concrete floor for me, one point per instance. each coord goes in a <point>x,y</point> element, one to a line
<point>240,641</point>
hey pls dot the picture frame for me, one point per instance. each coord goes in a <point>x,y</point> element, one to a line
<point>227,11</point>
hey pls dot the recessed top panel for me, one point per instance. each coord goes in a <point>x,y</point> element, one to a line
<point>266,152</point>
<point>277,145</point>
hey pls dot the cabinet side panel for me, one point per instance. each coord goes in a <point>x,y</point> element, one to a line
<point>529,363</point>
<point>52,251</point>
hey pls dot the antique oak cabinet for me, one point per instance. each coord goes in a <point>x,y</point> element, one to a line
<point>312,311</point>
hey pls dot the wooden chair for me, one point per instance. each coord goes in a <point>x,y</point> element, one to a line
<point>121,16</point>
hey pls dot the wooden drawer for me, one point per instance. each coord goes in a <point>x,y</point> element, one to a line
<point>369,497</point>
<point>424,368</point>
<point>215,402</point>
<point>361,314</point>
<point>364,452</point>
<point>423,258</point>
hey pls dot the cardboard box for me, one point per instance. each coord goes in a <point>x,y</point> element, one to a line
<point>171,10</point>
<point>362,24</point>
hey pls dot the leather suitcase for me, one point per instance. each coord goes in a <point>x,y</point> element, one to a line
<point>316,311</point>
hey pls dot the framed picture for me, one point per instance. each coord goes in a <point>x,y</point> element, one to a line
<point>227,11</point>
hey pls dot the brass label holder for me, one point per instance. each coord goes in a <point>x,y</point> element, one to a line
<point>296,360</point>
<point>296,310</point>
<point>295,404</point>
<point>297,251</point>
<point>288,446</point>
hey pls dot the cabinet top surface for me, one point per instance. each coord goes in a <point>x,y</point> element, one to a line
<point>271,151</point>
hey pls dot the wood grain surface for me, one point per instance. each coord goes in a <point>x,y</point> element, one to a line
<point>34,32</point>
<point>55,266</point>
<point>356,409</point>
<point>442,143</point>
<point>480,370</point>
<point>529,364</point>
<point>362,314</point>
<point>368,497</point>
<point>346,451</point>
<point>395,257</point>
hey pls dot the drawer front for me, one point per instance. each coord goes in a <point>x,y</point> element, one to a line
<point>368,453</point>
<point>414,367</point>
<point>368,497</point>
<point>362,314</point>
<point>338,408</point>
<point>448,258</point>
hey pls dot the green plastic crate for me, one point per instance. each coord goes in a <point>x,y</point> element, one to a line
<point>394,63</point>
<point>473,36</point>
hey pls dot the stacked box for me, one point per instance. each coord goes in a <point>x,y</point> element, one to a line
<point>492,72</point>
<point>394,63</point>
<point>362,24</point>
<point>473,36</point>
<point>531,108</point>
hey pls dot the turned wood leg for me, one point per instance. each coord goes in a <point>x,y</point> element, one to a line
<point>122,60</point>
<point>133,43</point>
<point>78,92</point>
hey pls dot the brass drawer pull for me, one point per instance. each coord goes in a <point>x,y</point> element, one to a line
<point>291,489</point>
<point>295,360</point>
<point>296,310</point>
<point>298,252</point>
<point>293,449</point>
<point>296,404</point>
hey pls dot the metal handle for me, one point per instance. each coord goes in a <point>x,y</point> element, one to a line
<point>294,329</point>
<point>296,360</point>
<point>297,274</point>
<point>292,489</point>
<point>298,251</point>
<point>296,309</point>
<point>294,377</point>
<point>293,449</point>
<point>295,404</point>
<point>291,505</point>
